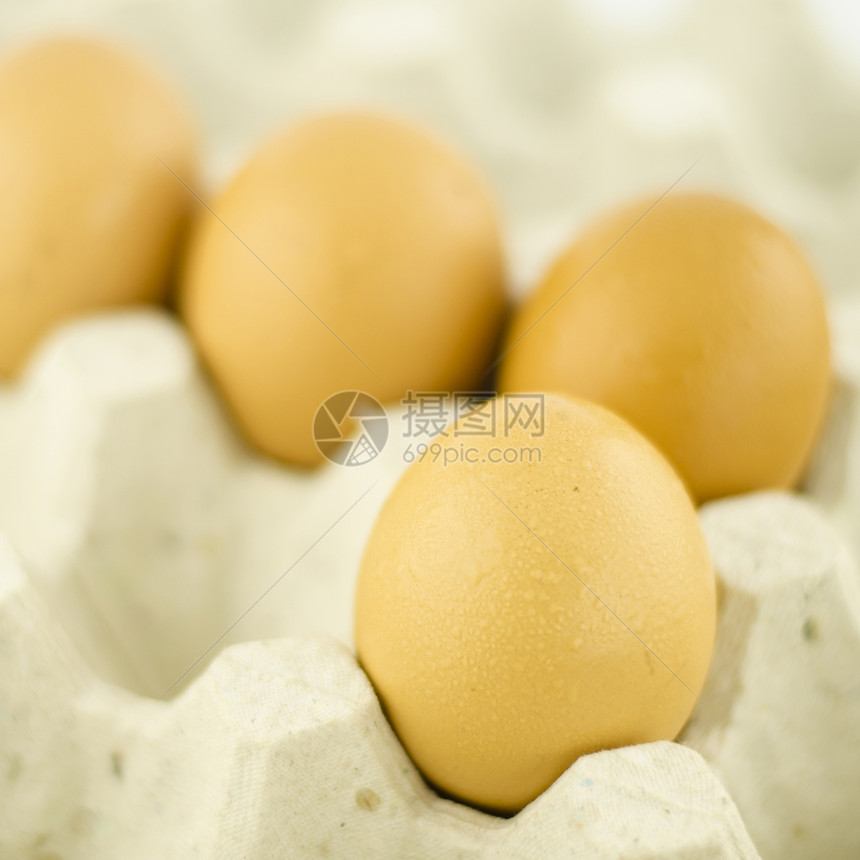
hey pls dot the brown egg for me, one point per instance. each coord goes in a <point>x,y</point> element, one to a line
<point>515,612</point>
<point>704,326</point>
<point>353,252</point>
<point>89,215</point>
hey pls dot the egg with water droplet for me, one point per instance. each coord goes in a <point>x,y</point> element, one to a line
<point>496,688</point>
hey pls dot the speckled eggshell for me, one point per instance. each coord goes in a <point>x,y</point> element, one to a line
<point>361,254</point>
<point>90,215</point>
<point>515,616</point>
<point>703,325</point>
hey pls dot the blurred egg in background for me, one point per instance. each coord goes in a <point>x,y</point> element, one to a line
<point>354,252</point>
<point>89,216</point>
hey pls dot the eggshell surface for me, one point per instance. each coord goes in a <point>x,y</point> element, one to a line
<point>90,214</point>
<point>353,252</point>
<point>701,323</point>
<point>514,616</point>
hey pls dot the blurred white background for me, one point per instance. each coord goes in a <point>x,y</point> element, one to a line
<point>567,105</point>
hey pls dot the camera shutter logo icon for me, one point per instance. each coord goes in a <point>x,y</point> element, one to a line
<point>350,428</point>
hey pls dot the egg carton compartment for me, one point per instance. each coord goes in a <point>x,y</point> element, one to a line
<point>779,717</point>
<point>280,750</point>
<point>146,521</point>
<point>143,537</point>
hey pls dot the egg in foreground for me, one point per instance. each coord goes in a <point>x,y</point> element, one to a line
<point>701,323</point>
<point>362,255</point>
<point>90,214</point>
<point>514,616</point>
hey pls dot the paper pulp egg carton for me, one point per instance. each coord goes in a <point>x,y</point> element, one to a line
<point>142,539</point>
